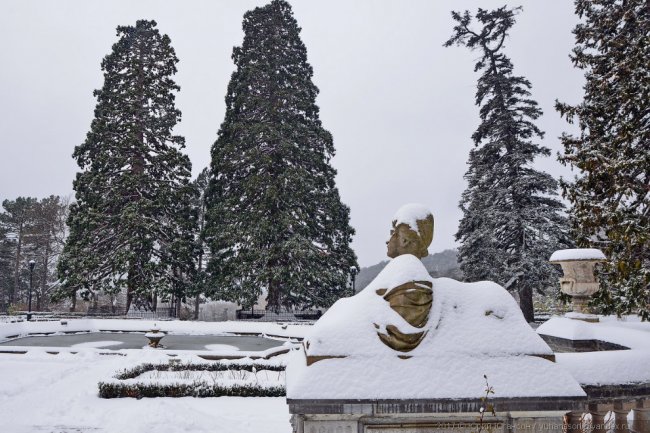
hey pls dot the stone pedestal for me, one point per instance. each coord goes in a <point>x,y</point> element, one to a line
<point>429,416</point>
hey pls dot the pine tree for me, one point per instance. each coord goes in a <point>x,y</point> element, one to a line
<point>512,221</point>
<point>18,221</point>
<point>275,219</point>
<point>47,241</point>
<point>6,282</point>
<point>133,190</point>
<point>610,196</point>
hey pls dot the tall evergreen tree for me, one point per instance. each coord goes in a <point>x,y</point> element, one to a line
<point>611,195</point>
<point>275,219</point>
<point>18,221</point>
<point>134,184</point>
<point>512,221</point>
<point>6,282</point>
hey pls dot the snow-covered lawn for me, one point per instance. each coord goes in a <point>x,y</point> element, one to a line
<point>58,393</point>
<point>41,392</point>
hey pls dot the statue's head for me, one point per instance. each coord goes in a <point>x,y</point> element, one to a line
<point>412,232</point>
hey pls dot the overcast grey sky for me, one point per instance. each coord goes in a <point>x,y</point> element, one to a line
<point>399,105</point>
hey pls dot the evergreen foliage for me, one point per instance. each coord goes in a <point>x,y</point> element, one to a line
<point>195,389</point>
<point>512,221</point>
<point>274,216</point>
<point>610,196</point>
<point>130,223</point>
<point>118,389</point>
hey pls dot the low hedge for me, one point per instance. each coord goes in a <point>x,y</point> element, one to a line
<point>197,389</point>
<point>136,371</point>
<point>115,389</point>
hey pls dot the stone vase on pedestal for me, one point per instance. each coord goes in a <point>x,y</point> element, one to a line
<point>579,280</point>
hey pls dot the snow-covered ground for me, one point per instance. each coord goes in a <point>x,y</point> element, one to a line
<point>41,392</point>
<point>609,367</point>
<point>58,393</point>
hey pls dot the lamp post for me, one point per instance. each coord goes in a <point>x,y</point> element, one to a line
<point>31,281</point>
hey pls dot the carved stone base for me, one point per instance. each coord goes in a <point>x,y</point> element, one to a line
<point>515,422</point>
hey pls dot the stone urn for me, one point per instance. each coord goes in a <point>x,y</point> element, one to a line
<point>579,280</point>
<point>154,336</point>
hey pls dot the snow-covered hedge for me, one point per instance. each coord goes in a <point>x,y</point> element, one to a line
<point>197,389</point>
<point>128,383</point>
<point>136,371</point>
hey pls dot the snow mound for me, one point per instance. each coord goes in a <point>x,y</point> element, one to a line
<point>465,318</point>
<point>473,329</point>
<point>221,347</point>
<point>604,368</point>
<point>445,377</point>
<point>97,344</point>
<point>577,254</point>
<point>628,331</point>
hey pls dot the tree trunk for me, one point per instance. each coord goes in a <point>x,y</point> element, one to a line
<point>526,303</point>
<point>46,261</point>
<point>197,301</point>
<point>129,299</point>
<point>273,298</point>
<point>16,287</point>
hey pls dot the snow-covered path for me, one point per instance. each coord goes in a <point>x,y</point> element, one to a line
<point>58,394</point>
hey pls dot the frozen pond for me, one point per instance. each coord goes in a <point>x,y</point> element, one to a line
<point>118,340</point>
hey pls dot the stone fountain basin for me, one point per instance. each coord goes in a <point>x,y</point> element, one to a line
<point>137,340</point>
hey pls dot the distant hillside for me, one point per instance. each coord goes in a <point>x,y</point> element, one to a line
<point>443,264</point>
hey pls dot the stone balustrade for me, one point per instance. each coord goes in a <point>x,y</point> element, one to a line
<point>611,415</point>
<point>609,407</point>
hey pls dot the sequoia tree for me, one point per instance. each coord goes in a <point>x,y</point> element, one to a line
<point>275,220</point>
<point>512,220</point>
<point>610,196</point>
<point>133,190</point>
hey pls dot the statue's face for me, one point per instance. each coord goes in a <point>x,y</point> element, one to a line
<point>402,240</point>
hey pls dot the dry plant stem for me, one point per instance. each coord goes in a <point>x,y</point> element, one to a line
<point>486,406</point>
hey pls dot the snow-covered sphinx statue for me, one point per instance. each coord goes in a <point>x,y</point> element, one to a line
<point>404,313</point>
<point>408,336</point>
